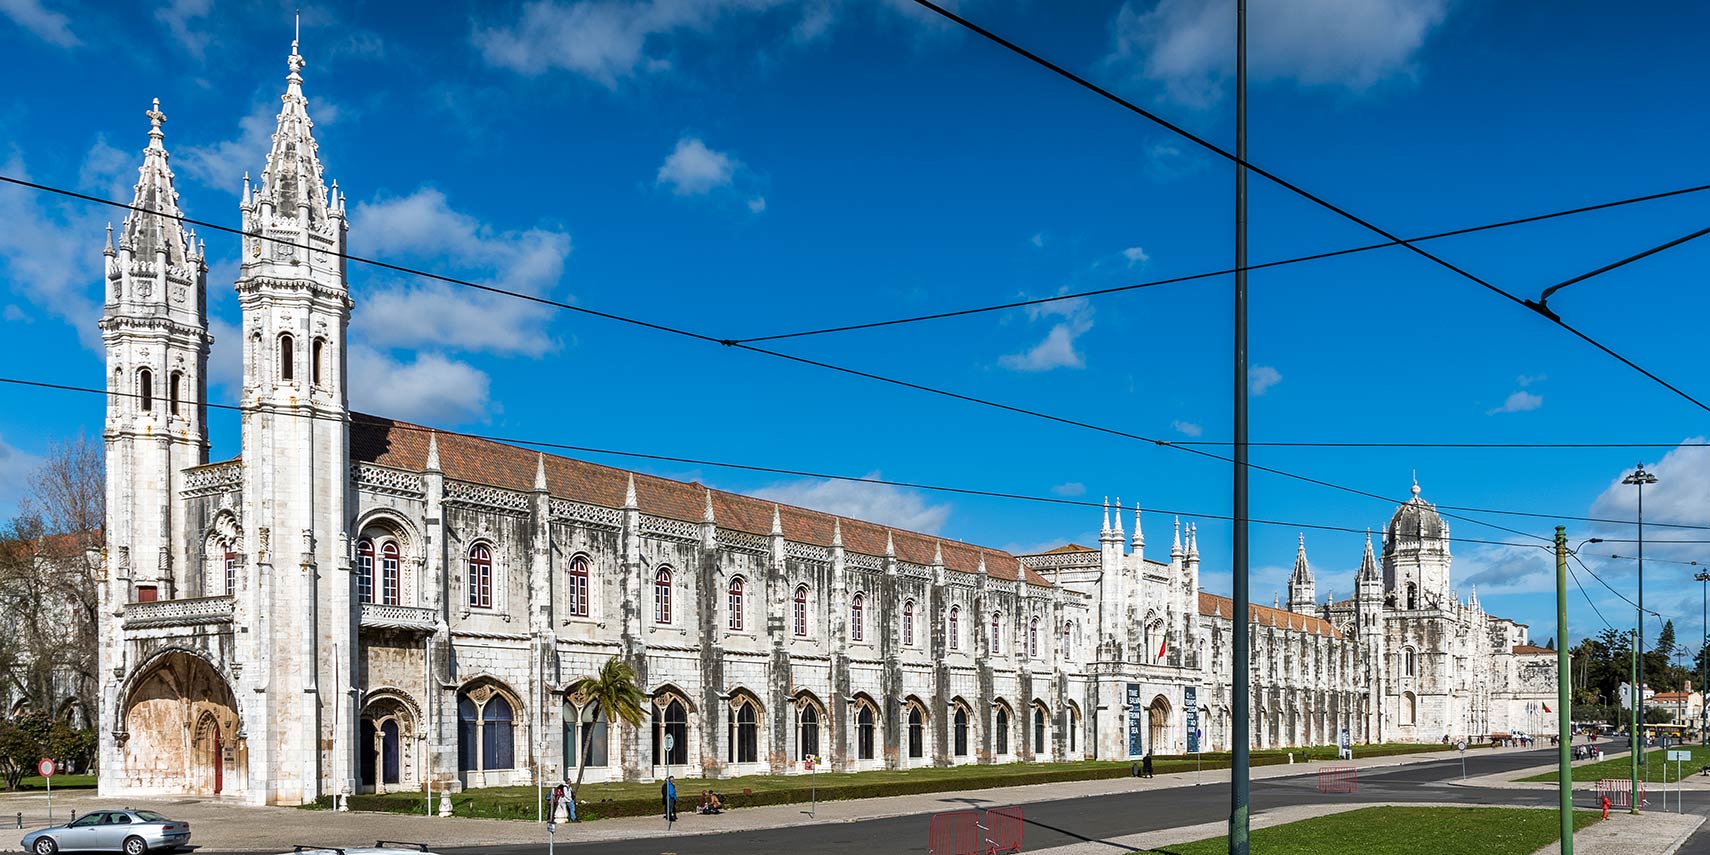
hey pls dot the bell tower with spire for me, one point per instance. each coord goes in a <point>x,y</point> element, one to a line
<point>295,299</point>
<point>154,327</point>
<point>1302,593</point>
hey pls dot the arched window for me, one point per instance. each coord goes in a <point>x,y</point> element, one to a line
<point>1002,730</point>
<point>481,576</point>
<point>231,568</point>
<point>662,596</point>
<point>671,720</point>
<point>145,389</point>
<point>317,361</point>
<point>916,732</point>
<point>1068,638</point>
<point>1033,638</point>
<point>1409,708</point>
<point>744,743</point>
<point>1074,721</point>
<point>579,586</point>
<point>864,733</point>
<point>497,734</point>
<point>1412,596</point>
<point>287,369</point>
<point>175,381</point>
<point>468,734</point>
<point>960,740</point>
<point>807,732</point>
<point>588,729</point>
<point>1407,661</point>
<point>908,624</point>
<point>1038,730</point>
<point>997,633</point>
<point>857,618</point>
<point>801,611</point>
<point>391,581</point>
<point>736,604</point>
<point>953,632</point>
<point>365,570</point>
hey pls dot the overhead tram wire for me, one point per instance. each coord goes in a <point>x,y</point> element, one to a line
<point>1536,307</point>
<point>1097,292</point>
<point>769,470</point>
<point>1624,597</point>
<point>1588,600</point>
<point>772,353</point>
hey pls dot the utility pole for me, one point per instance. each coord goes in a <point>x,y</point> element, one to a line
<point>1634,733</point>
<point>1564,687</point>
<point>1640,478</point>
<point>1703,654</point>
<point>1241,657</point>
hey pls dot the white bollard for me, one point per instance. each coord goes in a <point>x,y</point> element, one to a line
<point>445,802</point>
<point>1291,758</point>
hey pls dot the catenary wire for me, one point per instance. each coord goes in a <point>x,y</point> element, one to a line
<point>1075,295</point>
<point>1536,307</point>
<point>1611,588</point>
<point>1588,600</point>
<point>772,470</point>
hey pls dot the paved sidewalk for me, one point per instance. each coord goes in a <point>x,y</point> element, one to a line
<point>224,826</point>
<point>1691,783</point>
<point>1620,834</point>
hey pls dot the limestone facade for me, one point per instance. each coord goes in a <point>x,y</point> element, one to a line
<point>357,604</point>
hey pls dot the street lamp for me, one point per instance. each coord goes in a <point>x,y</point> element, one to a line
<point>1704,688</point>
<point>1639,479</point>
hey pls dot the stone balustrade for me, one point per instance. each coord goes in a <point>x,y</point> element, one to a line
<point>194,611</point>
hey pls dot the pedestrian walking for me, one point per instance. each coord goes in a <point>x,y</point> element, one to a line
<point>1146,765</point>
<point>669,793</point>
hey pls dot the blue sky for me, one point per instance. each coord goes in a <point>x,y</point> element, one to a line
<point>747,167</point>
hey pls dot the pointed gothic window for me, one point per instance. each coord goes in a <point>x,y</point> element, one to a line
<point>365,571</point>
<point>317,357</point>
<point>960,738</point>
<point>662,596</point>
<point>916,732</point>
<point>145,389</point>
<point>286,367</point>
<point>1068,637</point>
<point>480,576</point>
<point>997,633</point>
<point>953,630</point>
<point>736,604</point>
<point>908,624</point>
<point>857,618</point>
<point>864,727</point>
<point>176,381</point>
<point>801,611</point>
<point>390,581</point>
<point>1033,638</point>
<point>1002,730</point>
<point>579,586</point>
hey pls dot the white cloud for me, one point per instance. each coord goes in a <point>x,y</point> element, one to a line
<point>182,19</point>
<point>49,26</point>
<point>1187,428</point>
<point>431,388</point>
<point>1057,349</point>
<point>1681,494</point>
<point>1528,379</point>
<point>14,314</point>
<point>879,503</point>
<point>1260,378</point>
<point>1070,488</point>
<point>1505,570</point>
<point>1136,255</point>
<point>225,359</point>
<point>1519,402</point>
<point>16,466</point>
<point>222,164</point>
<point>757,205</point>
<point>419,312</point>
<point>1038,240</point>
<point>692,169</point>
<point>1187,46</point>
<point>50,251</point>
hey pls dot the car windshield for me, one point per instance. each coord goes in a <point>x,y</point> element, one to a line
<point>87,820</point>
<point>151,816</point>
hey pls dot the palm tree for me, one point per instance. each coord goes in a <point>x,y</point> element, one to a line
<point>614,691</point>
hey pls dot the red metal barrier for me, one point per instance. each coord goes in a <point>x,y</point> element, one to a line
<point>1003,830</point>
<point>955,833</point>
<point>1619,791</point>
<point>1338,779</point>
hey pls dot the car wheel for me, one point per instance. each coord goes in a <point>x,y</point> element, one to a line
<point>135,846</point>
<point>45,846</point>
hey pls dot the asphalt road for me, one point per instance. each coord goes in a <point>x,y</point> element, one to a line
<point>1101,818</point>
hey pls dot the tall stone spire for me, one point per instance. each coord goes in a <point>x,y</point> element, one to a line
<point>161,230</point>
<point>1116,528</point>
<point>293,181</point>
<point>1139,537</point>
<point>1104,529</point>
<point>1176,543</point>
<point>1368,562</point>
<point>1302,596</point>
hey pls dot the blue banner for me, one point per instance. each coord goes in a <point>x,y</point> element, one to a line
<point>1190,697</point>
<point>1134,747</point>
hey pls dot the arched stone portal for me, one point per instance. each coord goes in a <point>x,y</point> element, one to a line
<point>1158,715</point>
<point>181,730</point>
<point>387,741</point>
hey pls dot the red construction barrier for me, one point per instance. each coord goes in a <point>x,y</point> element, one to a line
<point>1003,830</point>
<point>1338,779</point>
<point>1619,792</point>
<point>955,833</point>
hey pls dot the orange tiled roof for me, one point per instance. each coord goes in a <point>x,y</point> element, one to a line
<point>1067,548</point>
<point>1531,649</point>
<point>404,446</point>
<point>1268,616</point>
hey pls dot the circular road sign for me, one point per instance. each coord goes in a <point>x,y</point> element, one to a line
<point>45,767</point>
<point>1461,746</point>
<point>670,739</point>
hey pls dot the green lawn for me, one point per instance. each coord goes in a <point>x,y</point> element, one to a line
<point>60,782</point>
<point>1654,769</point>
<point>1398,830</point>
<point>642,799</point>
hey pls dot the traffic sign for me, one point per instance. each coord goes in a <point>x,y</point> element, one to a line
<point>1461,746</point>
<point>1680,755</point>
<point>670,740</point>
<point>45,768</point>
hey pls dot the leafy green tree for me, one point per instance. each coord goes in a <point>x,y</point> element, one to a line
<point>615,692</point>
<point>1658,715</point>
<point>23,741</point>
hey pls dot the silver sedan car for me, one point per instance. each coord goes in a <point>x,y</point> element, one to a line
<point>133,832</point>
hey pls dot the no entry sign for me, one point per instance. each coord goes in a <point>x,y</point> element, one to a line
<point>45,768</point>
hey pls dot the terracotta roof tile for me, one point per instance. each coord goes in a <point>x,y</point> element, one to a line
<point>404,446</point>
<point>1067,548</point>
<point>1212,604</point>
<point>1532,648</point>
